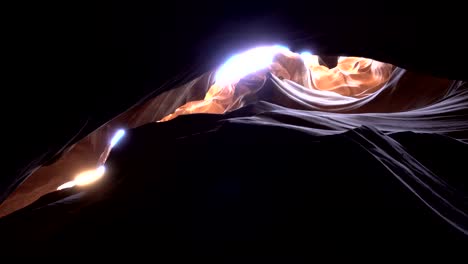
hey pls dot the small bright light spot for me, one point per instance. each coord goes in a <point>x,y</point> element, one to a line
<point>250,61</point>
<point>66,185</point>
<point>90,176</point>
<point>84,178</point>
<point>116,138</point>
<point>309,59</point>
